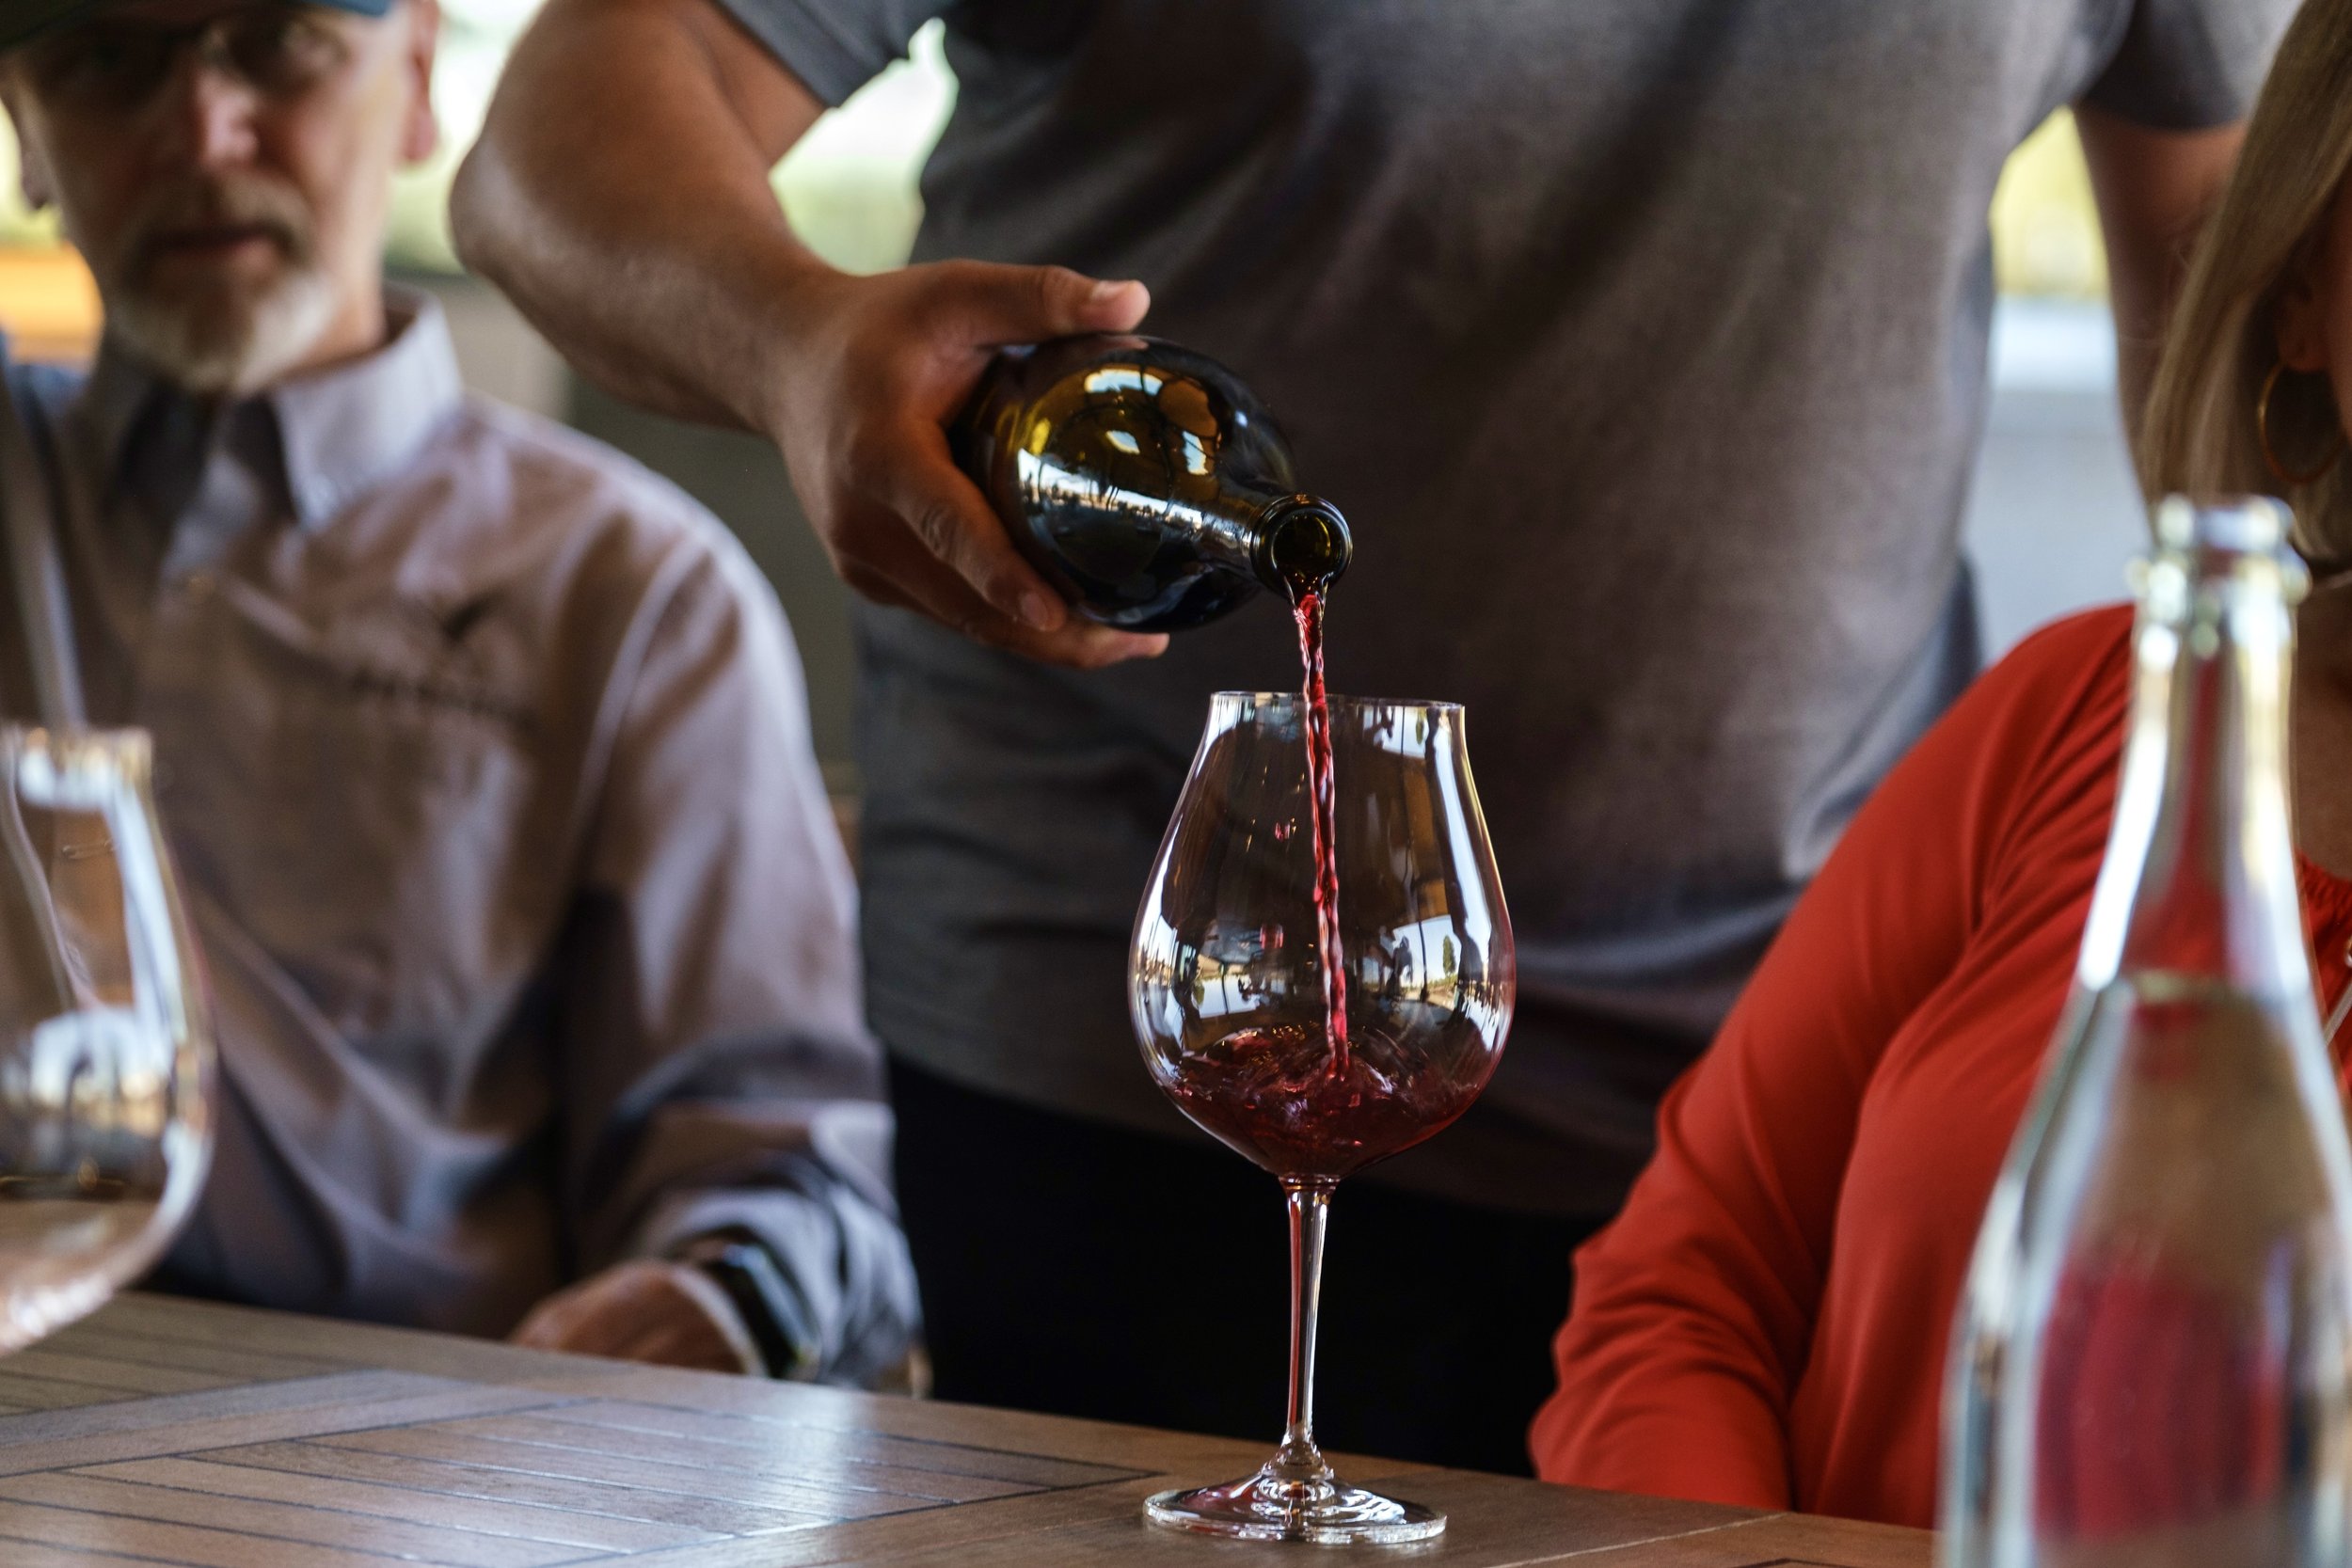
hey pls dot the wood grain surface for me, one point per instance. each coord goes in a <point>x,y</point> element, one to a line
<point>164,1431</point>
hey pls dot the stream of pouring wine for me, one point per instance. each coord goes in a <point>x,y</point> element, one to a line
<point>1323,811</point>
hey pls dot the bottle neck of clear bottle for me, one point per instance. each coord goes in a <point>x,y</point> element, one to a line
<point>2198,879</point>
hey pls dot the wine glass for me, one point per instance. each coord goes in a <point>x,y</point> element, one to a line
<point>105,1045</point>
<point>1228,993</point>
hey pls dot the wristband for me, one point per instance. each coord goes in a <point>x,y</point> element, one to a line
<point>770,1308</point>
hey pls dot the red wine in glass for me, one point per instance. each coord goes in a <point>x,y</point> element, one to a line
<point>1320,1000</point>
<point>1303,1104</point>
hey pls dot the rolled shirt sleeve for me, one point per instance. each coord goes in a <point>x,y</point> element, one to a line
<point>717,1073</point>
<point>2191,65</point>
<point>834,46</point>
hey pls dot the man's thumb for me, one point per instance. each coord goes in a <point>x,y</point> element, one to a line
<point>1034,303</point>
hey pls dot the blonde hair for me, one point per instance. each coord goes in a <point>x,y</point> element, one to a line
<point>2201,438</point>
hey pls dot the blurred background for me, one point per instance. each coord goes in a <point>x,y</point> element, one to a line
<point>2054,518</point>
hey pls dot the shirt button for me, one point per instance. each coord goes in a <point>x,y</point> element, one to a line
<point>198,585</point>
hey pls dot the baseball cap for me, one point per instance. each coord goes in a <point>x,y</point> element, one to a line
<point>21,20</point>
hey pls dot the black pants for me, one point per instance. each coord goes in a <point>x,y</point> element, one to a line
<point>1078,1268</point>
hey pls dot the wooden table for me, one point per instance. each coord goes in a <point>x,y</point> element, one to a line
<point>176,1432</point>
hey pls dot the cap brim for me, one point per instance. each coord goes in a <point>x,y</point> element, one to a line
<point>28,19</point>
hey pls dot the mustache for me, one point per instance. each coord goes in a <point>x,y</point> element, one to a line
<point>240,204</point>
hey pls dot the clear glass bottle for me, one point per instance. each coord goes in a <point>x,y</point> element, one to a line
<point>1144,480</point>
<point>2151,1361</point>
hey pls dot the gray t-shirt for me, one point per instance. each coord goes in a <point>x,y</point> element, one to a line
<point>1644,343</point>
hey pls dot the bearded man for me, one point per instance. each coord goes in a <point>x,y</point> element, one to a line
<point>485,752</point>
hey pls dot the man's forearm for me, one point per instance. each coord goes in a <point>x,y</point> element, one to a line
<point>619,196</point>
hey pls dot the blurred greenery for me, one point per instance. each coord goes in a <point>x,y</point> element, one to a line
<point>850,186</point>
<point>2045,222</point>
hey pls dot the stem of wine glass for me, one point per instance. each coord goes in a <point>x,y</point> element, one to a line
<point>1310,1205</point>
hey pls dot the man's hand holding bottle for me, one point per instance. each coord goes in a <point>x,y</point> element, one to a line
<point>870,372</point>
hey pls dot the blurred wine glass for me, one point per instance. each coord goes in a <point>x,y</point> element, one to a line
<point>1226,987</point>
<point>105,1046</point>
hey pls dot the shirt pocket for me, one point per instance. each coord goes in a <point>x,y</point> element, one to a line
<point>378,814</point>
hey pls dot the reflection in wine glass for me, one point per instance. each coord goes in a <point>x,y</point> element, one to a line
<point>1226,990</point>
<point>105,1048</point>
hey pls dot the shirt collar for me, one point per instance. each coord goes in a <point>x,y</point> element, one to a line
<point>345,429</point>
<point>339,429</point>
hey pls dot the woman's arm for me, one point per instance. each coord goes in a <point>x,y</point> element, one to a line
<point>1694,1312</point>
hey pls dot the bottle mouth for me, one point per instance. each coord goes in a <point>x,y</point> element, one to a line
<point>1304,545</point>
<point>2213,543</point>
<point>2255,526</point>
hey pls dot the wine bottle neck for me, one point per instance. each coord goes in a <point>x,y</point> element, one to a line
<point>1301,544</point>
<point>2200,878</point>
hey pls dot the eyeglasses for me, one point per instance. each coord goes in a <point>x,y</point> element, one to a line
<point>119,63</point>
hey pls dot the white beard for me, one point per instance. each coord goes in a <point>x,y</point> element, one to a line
<point>233,349</point>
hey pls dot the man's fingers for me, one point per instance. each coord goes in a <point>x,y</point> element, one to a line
<point>644,1310</point>
<point>1084,646</point>
<point>1080,645</point>
<point>568,1324</point>
<point>906,575</point>
<point>903,525</point>
<point>953,522</point>
<point>1024,305</point>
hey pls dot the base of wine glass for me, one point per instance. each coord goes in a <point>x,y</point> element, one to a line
<point>1278,1505</point>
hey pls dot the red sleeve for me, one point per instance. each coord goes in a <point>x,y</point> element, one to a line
<point>1693,1312</point>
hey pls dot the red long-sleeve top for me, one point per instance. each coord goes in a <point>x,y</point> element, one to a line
<point>1766,1321</point>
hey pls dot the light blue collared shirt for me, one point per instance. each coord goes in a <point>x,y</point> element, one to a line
<point>485,754</point>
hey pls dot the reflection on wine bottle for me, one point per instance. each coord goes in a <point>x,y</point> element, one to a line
<point>1145,481</point>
